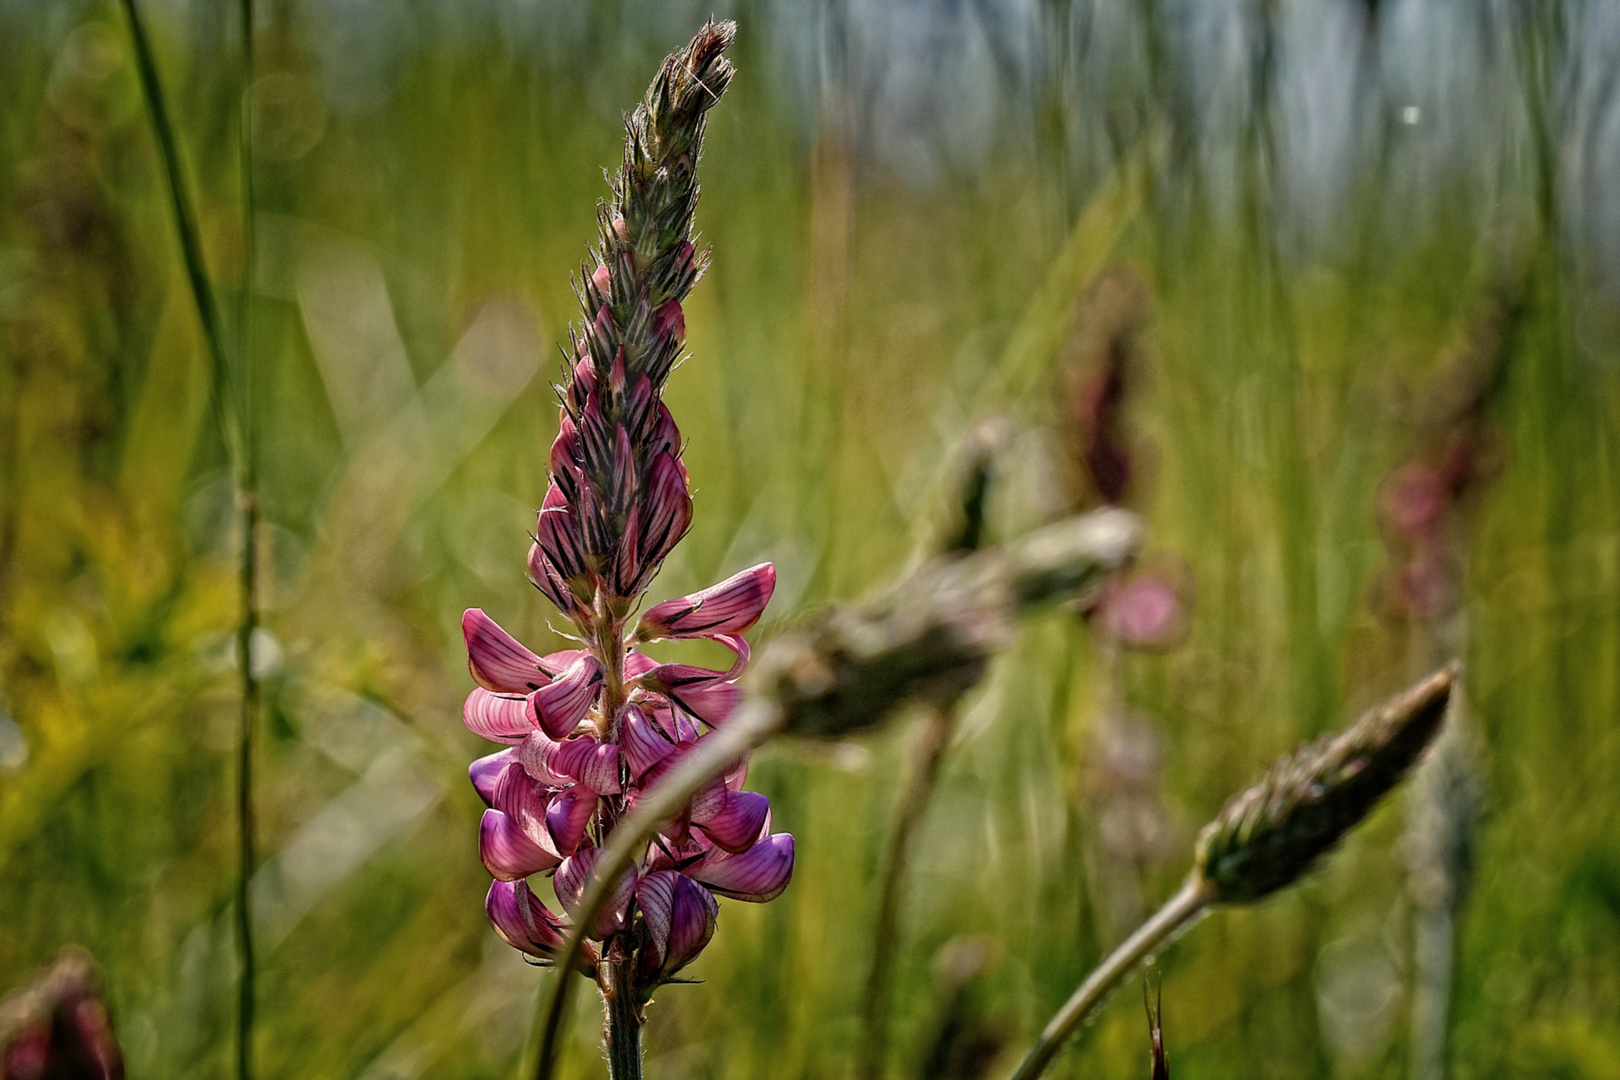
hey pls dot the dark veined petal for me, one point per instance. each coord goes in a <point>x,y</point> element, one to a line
<point>644,745</point>
<point>559,535</point>
<point>568,816</point>
<point>731,607</point>
<point>571,880</point>
<point>680,918</point>
<point>559,706</point>
<point>507,853</point>
<point>757,875</point>
<point>712,704</point>
<point>637,664</point>
<point>550,583</point>
<point>525,800</point>
<point>497,717</point>
<point>669,512</point>
<point>581,758</point>
<point>487,770</point>
<point>495,658</point>
<point>521,920</point>
<point>735,825</point>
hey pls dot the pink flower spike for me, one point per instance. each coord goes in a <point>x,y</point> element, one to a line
<point>736,825</point>
<point>571,880</point>
<point>521,920</point>
<point>495,658</point>
<point>558,707</point>
<point>497,717</point>
<point>486,772</point>
<point>731,607</point>
<point>506,852</point>
<point>757,875</point>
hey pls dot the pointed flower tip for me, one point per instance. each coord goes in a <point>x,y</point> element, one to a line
<point>731,607</point>
<point>1268,836</point>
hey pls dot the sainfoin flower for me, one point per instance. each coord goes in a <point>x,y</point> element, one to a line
<point>587,731</point>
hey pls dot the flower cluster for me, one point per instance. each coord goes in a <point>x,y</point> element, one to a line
<point>590,730</point>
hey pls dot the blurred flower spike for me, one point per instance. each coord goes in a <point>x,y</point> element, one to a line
<point>58,1028</point>
<point>588,731</point>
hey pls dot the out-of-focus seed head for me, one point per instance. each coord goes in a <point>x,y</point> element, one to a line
<point>1265,838</point>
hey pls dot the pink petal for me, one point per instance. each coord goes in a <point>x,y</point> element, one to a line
<point>524,801</point>
<point>521,920</point>
<point>736,824</point>
<point>497,717</point>
<point>571,879</point>
<point>559,706</point>
<point>569,815</point>
<point>711,704</point>
<point>758,874</point>
<point>582,758</point>
<point>637,664</point>
<point>731,607</point>
<point>487,770</point>
<point>559,535</point>
<point>680,917</point>
<point>507,853</point>
<point>669,510</point>
<point>495,658</point>
<point>644,745</point>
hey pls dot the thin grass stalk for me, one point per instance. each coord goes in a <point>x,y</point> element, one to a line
<point>230,396</point>
<point>937,724</point>
<point>1177,915</point>
<point>247,574</point>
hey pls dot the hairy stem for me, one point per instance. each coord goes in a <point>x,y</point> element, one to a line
<point>1177,914</point>
<point>621,1031</point>
<point>934,736</point>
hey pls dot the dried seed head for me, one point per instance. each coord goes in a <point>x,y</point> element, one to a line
<point>1268,836</point>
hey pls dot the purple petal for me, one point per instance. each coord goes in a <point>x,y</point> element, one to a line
<point>495,658</point>
<point>521,920</point>
<point>582,758</point>
<point>487,770</point>
<point>680,917</point>
<point>644,745</point>
<point>558,707</point>
<point>497,717</point>
<point>524,801</point>
<point>507,853</point>
<point>735,826</point>
<point>758,874</point>
<point>571,879</point>
<point>731,607</point>
<point>711,704</point>
<point>568,816</point>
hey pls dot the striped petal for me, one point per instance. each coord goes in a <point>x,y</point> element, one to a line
<point>559,706</point>
<point>736,824</point>
<point>731,607</point>
<point>495,658</point>
<point>497,717</point>
<point>582,759</point>
<point>487,770</point>
<point>644,745</point>
<point>525,801</point>
<point>507,853</point>
<point>568,816</point>
<point>712,704</point>
<point>571,880</point>
<point>680,918</point>
<point>757,875</point>
<point>522,921</point>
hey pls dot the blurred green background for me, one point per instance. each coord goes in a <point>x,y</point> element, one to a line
<point>908,205</point>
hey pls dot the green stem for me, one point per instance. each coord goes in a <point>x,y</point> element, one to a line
<point>1177,913</point>
<point>621,1031</point>
<point>231,397</point>
<point>934,736</point>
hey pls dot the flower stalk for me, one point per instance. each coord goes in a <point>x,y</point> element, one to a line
<point>1268,836</point>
